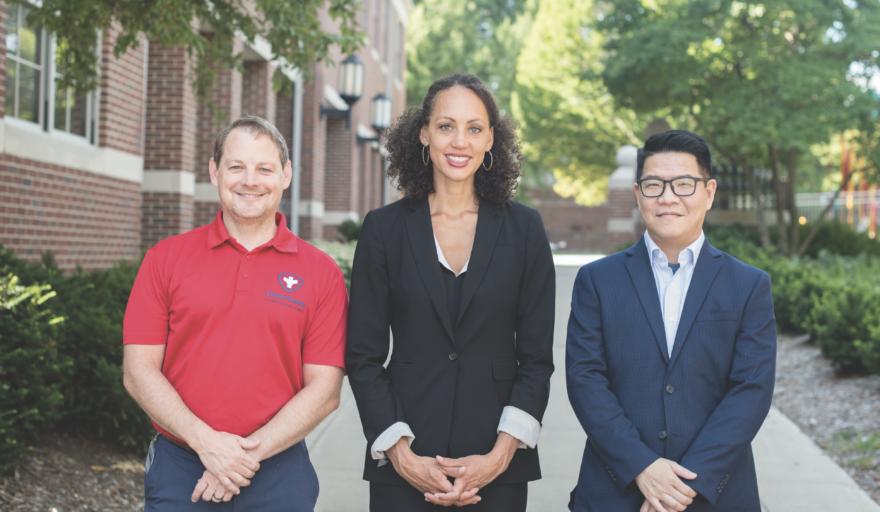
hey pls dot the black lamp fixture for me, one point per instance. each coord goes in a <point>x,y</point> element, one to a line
<point>351,87</point>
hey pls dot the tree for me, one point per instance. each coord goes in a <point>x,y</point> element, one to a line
<point>482,37</point>
<point>207,29</point>
<point>570,123</point>
<point>764,82</point>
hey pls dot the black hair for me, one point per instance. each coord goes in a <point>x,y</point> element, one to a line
<point>416,179</point>
<point>676,141</point>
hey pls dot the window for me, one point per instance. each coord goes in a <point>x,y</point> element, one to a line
<point>32,81</point>
<point>24,66</point>
<point>71,111</point>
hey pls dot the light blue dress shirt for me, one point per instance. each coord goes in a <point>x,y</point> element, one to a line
<point>672,287</point>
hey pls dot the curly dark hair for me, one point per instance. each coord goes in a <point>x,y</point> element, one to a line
<point>416,179</point>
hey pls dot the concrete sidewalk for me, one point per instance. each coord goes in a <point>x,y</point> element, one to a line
<point>793,473</point>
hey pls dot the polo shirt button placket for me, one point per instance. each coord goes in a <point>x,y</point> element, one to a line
<point>245,273</point>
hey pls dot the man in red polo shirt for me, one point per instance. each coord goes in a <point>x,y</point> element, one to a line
<point>234,343</point>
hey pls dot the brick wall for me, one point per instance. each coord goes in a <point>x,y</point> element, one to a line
<point>257,94</point>
<point>86,219</point>
<point>121,112</point>
<point>171,116</point>
<point>339,161</point>
<point>170,143</point>
<point>83,218</point>
<point>204,212</point>
<point>165,213</point>
<point>586,228</point>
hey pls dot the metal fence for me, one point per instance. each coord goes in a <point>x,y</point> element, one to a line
<point>859,208</point>
<point>734,190</point>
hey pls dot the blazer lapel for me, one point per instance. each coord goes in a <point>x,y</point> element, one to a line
<point>708,265</point>
<point>488,225</point>
<point>421,240</point>
<point>638,264</point>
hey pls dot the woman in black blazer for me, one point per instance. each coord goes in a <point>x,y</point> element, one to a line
<point>464,279</point>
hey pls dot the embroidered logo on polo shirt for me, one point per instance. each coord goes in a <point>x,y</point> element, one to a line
<point>288,283</point>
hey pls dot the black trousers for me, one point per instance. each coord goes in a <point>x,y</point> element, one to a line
<point>404,498</point>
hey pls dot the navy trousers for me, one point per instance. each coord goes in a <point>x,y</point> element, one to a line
<point>286,482</point>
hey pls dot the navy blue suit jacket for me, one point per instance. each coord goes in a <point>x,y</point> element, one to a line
<point>701,407</point>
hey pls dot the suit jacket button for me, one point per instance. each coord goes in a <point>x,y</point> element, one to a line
<point>453,356</point>
<point>670,389</point>
<point>662,434</point>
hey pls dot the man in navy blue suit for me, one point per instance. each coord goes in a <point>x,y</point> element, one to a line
<point>671,352</point>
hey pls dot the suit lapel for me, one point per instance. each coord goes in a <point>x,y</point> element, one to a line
<point>638,264</point>
<point>708,265</point>
<point>488,225</point>
<point>421,240</point>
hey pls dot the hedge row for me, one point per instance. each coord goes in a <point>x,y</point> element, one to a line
<point>61,355</point>
<point>834,296</point>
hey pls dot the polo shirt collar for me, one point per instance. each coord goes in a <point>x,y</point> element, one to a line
<point>283,241</point>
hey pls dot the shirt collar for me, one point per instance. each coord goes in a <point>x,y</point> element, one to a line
<point>283,241</point>
<point>688,256</point>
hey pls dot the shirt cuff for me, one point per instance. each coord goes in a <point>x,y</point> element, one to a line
<point>389,438</point>
<point>520,425</point>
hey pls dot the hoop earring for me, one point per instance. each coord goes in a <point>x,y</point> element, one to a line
<point>426,156</point>
<point>491,160</point>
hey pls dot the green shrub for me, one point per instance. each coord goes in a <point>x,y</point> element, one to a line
<point>840,239</point>
<point>96,403</point>
<point>841,320</point>
<point>32,368</point>
<point>342,253</point>
<point>795,287</point>
<point>350,230</point>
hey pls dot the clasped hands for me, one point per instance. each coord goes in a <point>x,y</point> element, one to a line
<point>662,486</point>
<point>230,463</point>
<point>431,475</point>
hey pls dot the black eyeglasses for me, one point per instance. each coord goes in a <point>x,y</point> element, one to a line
<point>682,186</point>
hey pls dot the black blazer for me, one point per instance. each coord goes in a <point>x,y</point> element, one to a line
<point>450,378</point>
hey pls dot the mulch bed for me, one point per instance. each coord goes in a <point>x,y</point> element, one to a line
<point>66,473</point>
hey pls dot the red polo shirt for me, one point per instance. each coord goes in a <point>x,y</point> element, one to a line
<point>238,325</point>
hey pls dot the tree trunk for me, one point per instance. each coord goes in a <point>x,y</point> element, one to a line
<point>758,197</point>
<point>791,162</point>
<point>780,201</point>
<point>815,228</point>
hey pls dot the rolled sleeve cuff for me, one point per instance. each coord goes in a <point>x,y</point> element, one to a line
<point>389,438</point>
<point>520,425</point>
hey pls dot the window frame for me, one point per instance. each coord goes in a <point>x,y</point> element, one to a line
<point>46,95</point>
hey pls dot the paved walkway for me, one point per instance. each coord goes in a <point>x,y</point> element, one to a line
<point>793,473</point>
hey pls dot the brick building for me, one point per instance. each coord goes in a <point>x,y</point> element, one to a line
<point>604,228</point>
<point>102,177</point>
